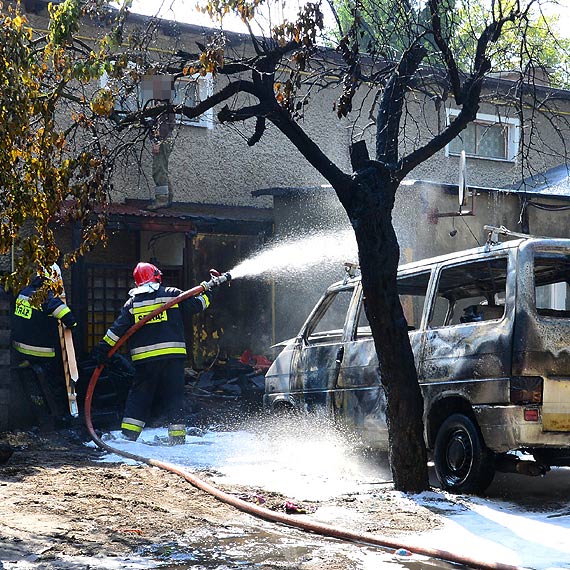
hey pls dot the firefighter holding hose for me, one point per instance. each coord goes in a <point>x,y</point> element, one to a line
<point>158,350</point>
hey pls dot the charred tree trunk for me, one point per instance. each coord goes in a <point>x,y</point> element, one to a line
<point>369,206</point>
<point>368,198</point>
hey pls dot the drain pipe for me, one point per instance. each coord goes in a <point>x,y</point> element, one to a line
<point>250,508</point>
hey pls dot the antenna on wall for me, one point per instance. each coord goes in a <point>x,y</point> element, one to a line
<point>462,186</point>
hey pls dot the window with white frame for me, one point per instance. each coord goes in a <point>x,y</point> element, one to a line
<point>489,136</point>
<point>189,91</point>
<point>128,96</point>
<point>186,91</point>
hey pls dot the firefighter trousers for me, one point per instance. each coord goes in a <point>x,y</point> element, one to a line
<point>157,391</point>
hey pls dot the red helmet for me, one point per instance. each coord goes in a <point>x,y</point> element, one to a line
<point>146,273</point>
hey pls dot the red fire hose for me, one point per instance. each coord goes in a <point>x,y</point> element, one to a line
<point>255,510</point>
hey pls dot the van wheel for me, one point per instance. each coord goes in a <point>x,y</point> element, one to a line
<point>463,464</point>
<point>283,409</point>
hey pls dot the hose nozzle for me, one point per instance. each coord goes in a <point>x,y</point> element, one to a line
<point>216,280</point>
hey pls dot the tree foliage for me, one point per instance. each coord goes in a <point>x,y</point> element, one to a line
<point>383,27</point>
<point>53,167</point>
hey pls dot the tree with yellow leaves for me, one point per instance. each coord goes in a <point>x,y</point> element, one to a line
<point>49,174</point>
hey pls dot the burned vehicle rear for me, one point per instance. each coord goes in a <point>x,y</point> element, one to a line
<point>490,333</point>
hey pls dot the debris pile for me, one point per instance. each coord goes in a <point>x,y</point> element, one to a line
<point>242,378</point>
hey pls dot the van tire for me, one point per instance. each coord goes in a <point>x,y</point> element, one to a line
<point>283,409</point>
<point>463,464</point>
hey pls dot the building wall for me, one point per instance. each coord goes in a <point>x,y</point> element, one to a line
<point>550,133</point>
<point>420,232</point>
<point>215,165</point>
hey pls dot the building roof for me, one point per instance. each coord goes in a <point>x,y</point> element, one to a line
<point>554,182</point>
<point>285,191</point>
<point>189,217</point>
<point>193,216</point>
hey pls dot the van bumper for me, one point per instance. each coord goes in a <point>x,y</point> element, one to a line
<point>505,429</point>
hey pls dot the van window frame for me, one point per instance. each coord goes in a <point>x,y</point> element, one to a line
<point>436,278</point>
<point>359,304</point>
<point>543,312</point>
<point>319,311</point>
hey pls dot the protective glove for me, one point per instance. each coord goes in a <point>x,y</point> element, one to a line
<point>209,290</point>
<point>122,365</point>
<point>69,320</point>
<point>99,353</point>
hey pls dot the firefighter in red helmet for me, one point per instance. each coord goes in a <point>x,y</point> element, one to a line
<point>158,351</point>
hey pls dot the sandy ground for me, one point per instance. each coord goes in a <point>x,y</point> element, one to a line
<point>61,508</point>
<point>56,499</point>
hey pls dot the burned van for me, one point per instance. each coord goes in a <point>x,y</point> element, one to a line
<point>490,333</point>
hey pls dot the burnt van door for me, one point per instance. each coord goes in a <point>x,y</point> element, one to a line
<point>360,398</point>
<point>543,328</point>
<point>320,352</point>
<point>467,349</point>
<point>359,402</point>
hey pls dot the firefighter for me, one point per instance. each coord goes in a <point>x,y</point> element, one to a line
<point>35,338</point>
<point>157,349</point>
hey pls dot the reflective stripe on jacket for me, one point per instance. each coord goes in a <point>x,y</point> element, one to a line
<point>35,329</point>
<point>162,336</point>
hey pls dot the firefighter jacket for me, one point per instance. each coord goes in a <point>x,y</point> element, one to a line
<point>35,329</point>
<point>163,336</point>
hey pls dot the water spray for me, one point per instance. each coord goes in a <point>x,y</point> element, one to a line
<point>405,544</point>
<point>291,255</point>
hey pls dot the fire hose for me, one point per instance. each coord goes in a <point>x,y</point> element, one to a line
<point>250,508</point>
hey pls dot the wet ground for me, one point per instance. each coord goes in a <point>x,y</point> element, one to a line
<point>304,462</point>
<point>66,505</point>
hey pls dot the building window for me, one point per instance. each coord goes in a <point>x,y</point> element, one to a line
<point>490,137</point>
<point>189,91</point>
<point>130,98</point>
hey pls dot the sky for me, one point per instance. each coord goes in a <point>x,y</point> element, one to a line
<point>185,11</point>
<point>523,521</point>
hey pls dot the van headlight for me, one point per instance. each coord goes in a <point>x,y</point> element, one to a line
<point>526,390</point>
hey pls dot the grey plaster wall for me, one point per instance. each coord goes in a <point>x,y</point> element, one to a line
<point>420,234</point>
<point>215,165</point>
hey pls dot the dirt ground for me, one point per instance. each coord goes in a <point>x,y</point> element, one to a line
<point>61,508</point>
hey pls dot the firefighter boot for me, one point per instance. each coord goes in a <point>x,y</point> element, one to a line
<point>128,434</point>
<point>176,434</point>
<point>131,428</point>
